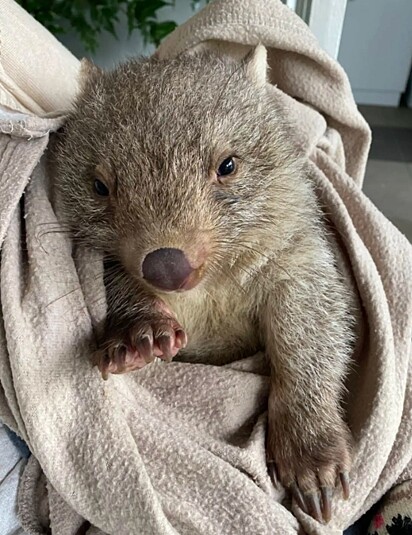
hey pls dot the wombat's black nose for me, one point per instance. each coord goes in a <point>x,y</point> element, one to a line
<point>166,268</point>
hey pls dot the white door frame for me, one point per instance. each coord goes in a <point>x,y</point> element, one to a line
<point>325,19</point>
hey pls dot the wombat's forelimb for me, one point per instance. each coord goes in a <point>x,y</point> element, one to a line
<point>305,328</point>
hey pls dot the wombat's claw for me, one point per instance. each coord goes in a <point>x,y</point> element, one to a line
<point>326,499</point>
<point>326,493</point>
<point>273,473</point>
<point>295,490</point>
<point>118,359</point>
<point>168,344</point>
<point>133,348</point>
<point>318,506</point>
<point>313,506</point>
<point>181,339</point>
<point>310,475</point>
<point>344,479</point>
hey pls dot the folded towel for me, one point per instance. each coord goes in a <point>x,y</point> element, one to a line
<point>179,448</point>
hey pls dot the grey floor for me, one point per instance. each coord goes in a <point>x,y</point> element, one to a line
<point>388,180</point>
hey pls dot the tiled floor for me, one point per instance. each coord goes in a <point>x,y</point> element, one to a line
<point>388,180</point>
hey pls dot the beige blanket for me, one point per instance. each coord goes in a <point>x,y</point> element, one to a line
<point>179,448</point>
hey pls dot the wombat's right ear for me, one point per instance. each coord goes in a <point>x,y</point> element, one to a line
<point>88,73</point>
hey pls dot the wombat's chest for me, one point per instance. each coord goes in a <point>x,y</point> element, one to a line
<point>221,326</point>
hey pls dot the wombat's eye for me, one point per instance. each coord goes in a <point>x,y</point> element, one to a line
<point>227,167</point>
<point>100,188</point>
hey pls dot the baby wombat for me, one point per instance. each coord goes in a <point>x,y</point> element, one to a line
<point>183,173</point>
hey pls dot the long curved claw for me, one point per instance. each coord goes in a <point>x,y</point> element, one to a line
<point>313,504</point>
<point>273,473</point>
<point>344,479</point>
<point>326,493</point>
<point>297,494</point>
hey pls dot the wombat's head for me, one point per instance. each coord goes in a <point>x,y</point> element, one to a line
<point>177,168</point>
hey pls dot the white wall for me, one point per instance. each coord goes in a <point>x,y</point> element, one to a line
<point>376,49</point>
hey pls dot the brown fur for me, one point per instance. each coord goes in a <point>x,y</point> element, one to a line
<point>159,130</point>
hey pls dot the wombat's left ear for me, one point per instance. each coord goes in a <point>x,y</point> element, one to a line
<point>256,65</point>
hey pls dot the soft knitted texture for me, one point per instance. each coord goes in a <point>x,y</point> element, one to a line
<point>28,52</point>
<point>179,448</point>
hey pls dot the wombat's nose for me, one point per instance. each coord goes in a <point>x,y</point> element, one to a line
<point>167,269</point>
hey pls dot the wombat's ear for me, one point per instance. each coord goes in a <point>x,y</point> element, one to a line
<point>88,73</point>
<point>256,65</point>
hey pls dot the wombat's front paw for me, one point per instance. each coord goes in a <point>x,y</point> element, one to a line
<point>310,463</point>
<point>132,348</point>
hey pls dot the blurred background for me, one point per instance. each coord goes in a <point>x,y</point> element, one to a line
<point>372,39</point>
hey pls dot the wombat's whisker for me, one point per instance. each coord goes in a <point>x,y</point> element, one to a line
<point>78,289</point>
<point>45,233</point>
<point>55,223</point>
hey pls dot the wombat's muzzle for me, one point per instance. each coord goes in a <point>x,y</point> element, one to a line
<point>170,270</point>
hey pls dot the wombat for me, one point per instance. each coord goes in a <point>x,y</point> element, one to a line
<point>184,174</point>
